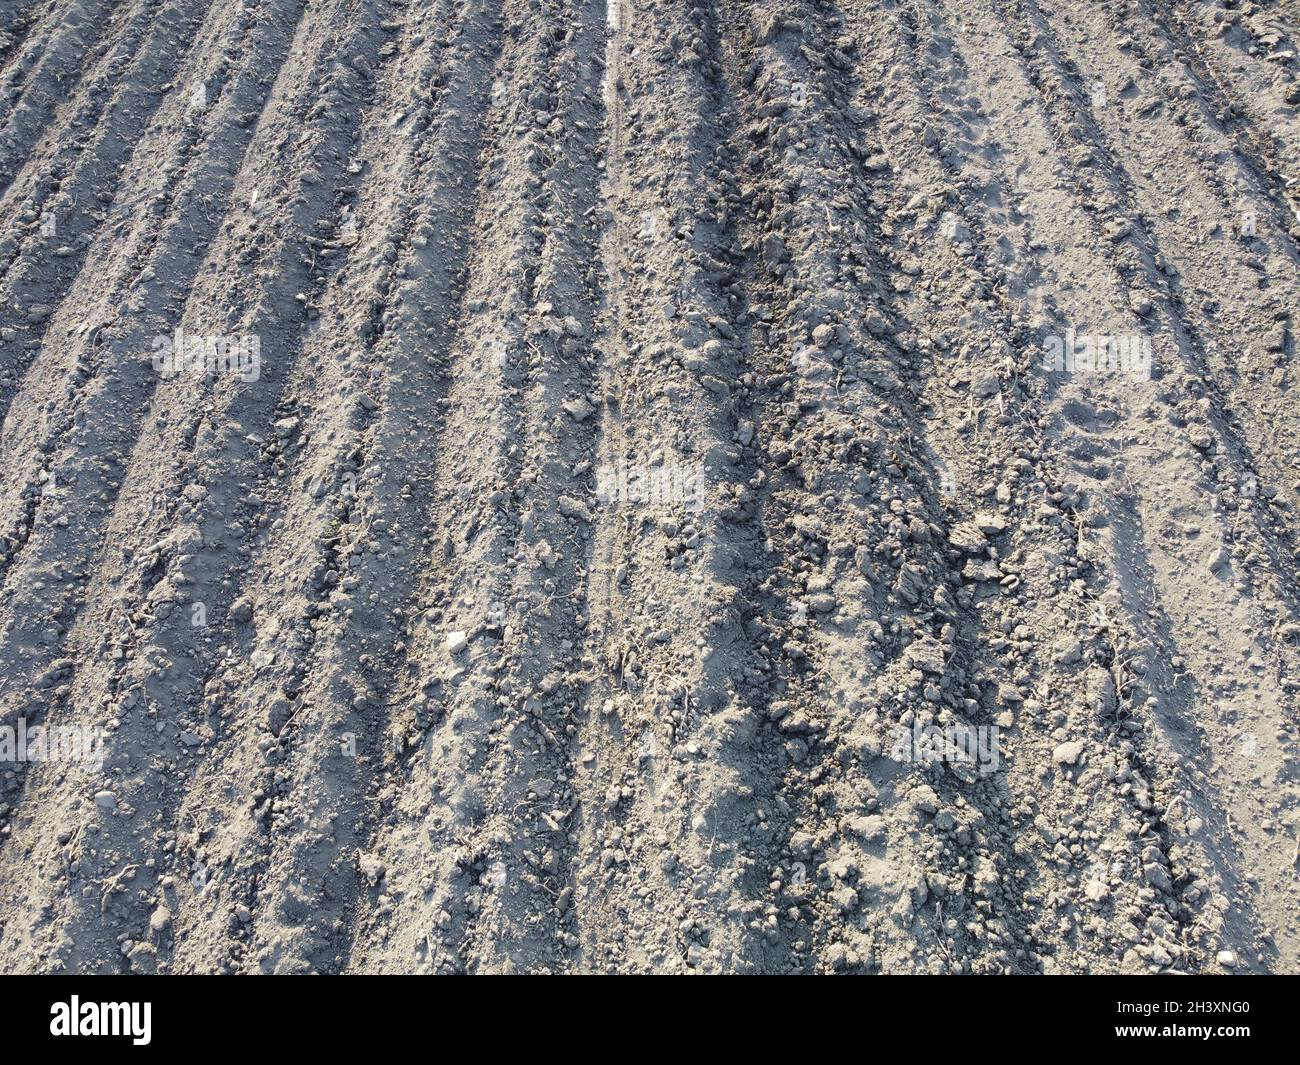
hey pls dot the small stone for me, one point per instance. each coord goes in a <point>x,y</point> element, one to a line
<point>774,249</point>
<point>990,524</point>
<point>924,798</point>
<point>457,641</point>
<point>277,715</point>
<point>983,570</point>
<point>1067,651</point>
<point>573,508</point>
<point>968,538</point>
<point>579,409</point>
<point>869,829</point>
<point>371,868</point>
<point>821,603</point>
<point>770,29</point>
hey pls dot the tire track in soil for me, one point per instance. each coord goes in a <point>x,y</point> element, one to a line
<point>1008,628</point>
<point>522,925</point>
<point>1024,469</point>
<point>77,33</point>
<point>1261,599</point>
<point>976,475</point>
<point>18,22</point>
<point>38,262</point>
<point>104,382</point>
<point>49,588</point>
<point>852,872</point>
<point>1055,895</point>
<point>1173,778</point>
<point>459,704</point>
<point>1239,114</point>
<point>668,759</point>
<point>322,714</point>
<point>438,857</point>
<point>1135,199</point>
<point>183,402</point>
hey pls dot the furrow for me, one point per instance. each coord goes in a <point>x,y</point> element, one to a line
<point>38,83</point>
<point>56,207</point>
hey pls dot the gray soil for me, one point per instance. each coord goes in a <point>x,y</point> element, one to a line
<point>389,670</point>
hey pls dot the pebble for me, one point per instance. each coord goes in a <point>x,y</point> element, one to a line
<point>579,409</point>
